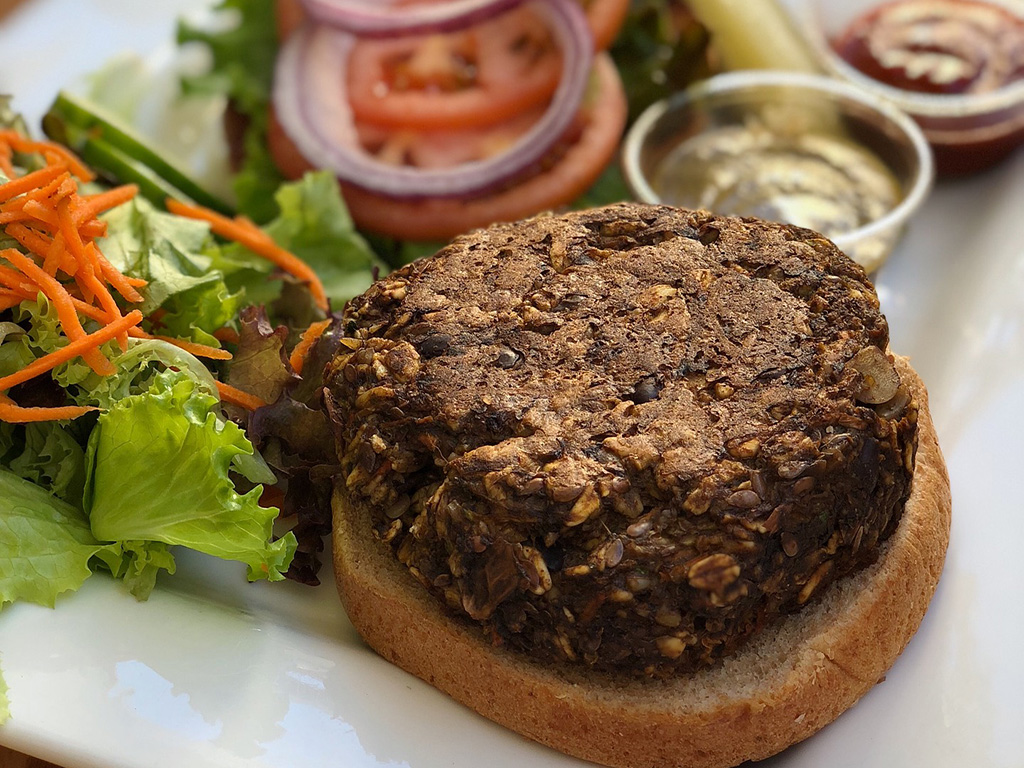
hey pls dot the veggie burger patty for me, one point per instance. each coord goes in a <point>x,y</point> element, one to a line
<point>629,437</point>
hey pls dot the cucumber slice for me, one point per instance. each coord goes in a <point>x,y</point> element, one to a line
<point>111,146</point>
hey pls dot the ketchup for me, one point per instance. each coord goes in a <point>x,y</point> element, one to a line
<point>946,47</point>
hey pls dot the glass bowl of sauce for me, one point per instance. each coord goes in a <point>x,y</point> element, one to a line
<point>956,66</point>
<point>797,148</point>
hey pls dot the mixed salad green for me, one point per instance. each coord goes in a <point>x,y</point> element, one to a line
<point>161,464</point>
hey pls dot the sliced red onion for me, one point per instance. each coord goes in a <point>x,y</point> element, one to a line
<point>310,101</point>
<point>370,18</point>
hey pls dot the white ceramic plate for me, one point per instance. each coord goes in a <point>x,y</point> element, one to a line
<point>213,671</point>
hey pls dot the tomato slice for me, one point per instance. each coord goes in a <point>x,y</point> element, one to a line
<point>444,148</point>
<point>568,176</point>
<point>479,76</point>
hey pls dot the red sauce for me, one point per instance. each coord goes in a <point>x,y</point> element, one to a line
<point>951,47</point>
<point>937,46</point>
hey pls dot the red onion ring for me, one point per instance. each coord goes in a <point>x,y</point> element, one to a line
<point>386,18</point>
<point>310,102</point>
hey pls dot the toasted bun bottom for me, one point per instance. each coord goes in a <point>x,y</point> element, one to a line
<point>796,678</point>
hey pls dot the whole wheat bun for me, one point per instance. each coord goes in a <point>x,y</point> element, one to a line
<point>792,680</point>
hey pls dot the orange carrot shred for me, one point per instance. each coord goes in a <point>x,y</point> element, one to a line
<point>226,335</point>
<point>9,299</point>
<point>124,285</point>
<point>88,267</point>
<point>192,347</point>
<point>51,189</point>
<point>63,303</point>
<point>94,205</point>
<point>71,350</point>
<point>17,282</point>
<point>107,304</point>
<point>15,414</point>
<point>252,237</point>
<point>41,212</point>
<point>55,255</point>
<point>67,188</point>
<point>7,217</point>
<point>306,341</point>
<point>44,213</point>
<point>239,397</point>
<point>35,242</point>
<point>53,153</point>
<point>29,182</point>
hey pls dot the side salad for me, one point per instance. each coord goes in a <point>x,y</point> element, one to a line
<point>135,346</point>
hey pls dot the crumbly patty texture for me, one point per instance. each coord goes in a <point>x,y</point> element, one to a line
<point>629,437</point>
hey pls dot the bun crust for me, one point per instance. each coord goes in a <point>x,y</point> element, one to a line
<point>792,680</point>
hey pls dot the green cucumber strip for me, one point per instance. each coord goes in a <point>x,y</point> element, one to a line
<point>80,125</point>
<point>127,170</point>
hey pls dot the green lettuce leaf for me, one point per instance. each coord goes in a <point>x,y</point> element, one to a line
<point>15,351</point>
<point>176,258</point>
<point>137,564</point>
<point>158,470</point>
<point>45,543</point>
<point>138,368</point>
<point>46,454</point>
<point>315,225</point>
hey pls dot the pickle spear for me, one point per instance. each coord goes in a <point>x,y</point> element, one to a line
<point>754,34</point>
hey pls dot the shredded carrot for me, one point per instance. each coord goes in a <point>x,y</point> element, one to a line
<point>306,342</point>
<point>72,350</point>
<point>63,303</point>
<point>55,154</point>
<point>31,239</point>
<point>16,281</point>
<point>54,255</point>
<point>94,205</point>
<point>9,299</point>
<point>15,414</point>
<point>38,194</point>
<point>193,348</point>
<point>30,181</point>
<point>7,217</point>
<point>239,397</point>
<point>85,278</point>
<point>107,304</point>
<point>226,335</point>
<point>124,285</point>
<point>51,189</point>
<point>246,233</point>
<point>39,244</point>
<point>39,213</point>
